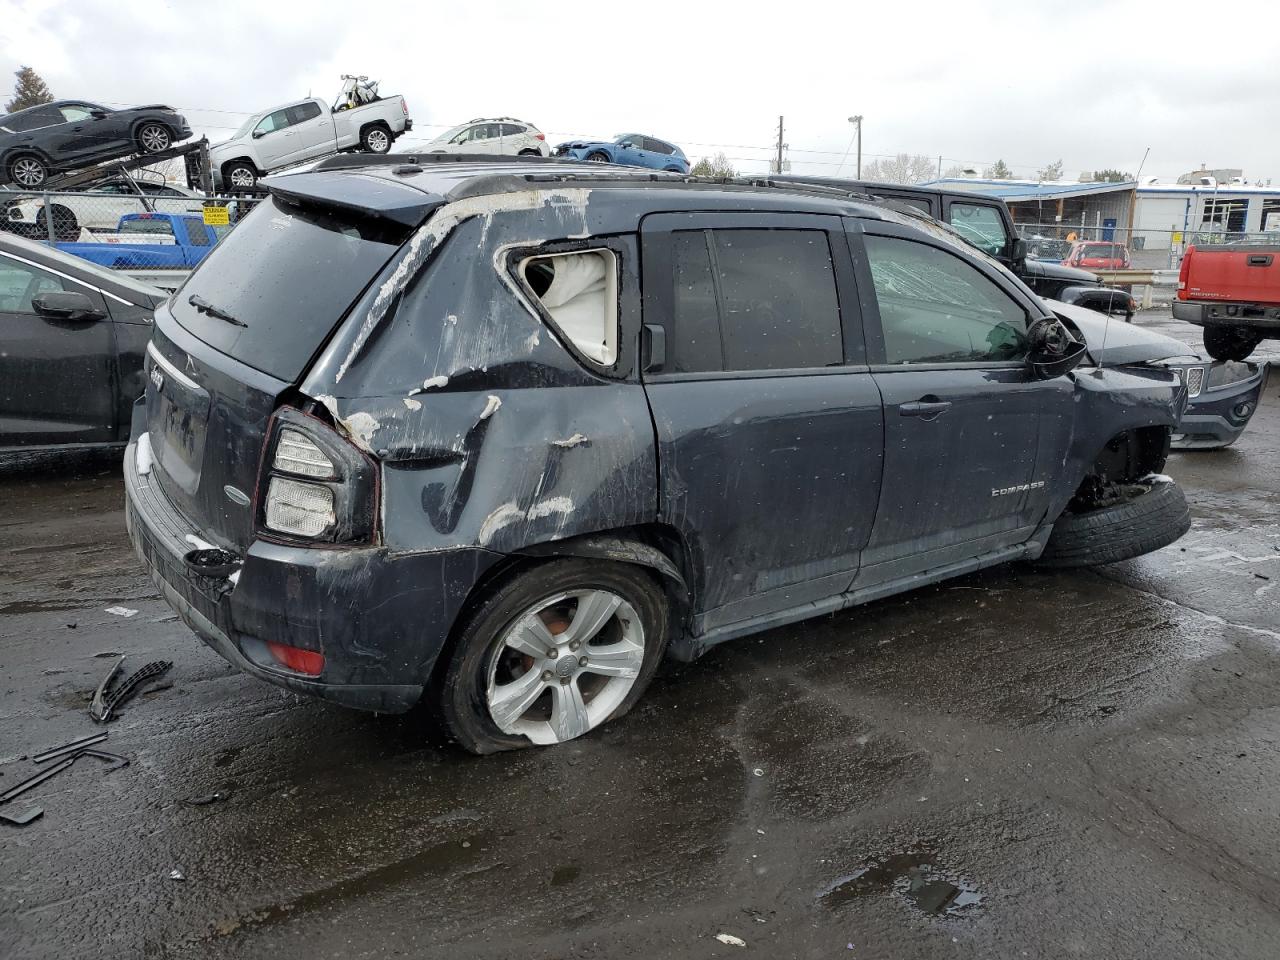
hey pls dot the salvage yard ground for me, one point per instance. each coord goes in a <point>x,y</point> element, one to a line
<point>1017,763</point>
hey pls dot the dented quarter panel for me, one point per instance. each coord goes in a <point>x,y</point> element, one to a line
<point>490,434</point>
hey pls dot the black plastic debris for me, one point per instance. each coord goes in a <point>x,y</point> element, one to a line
<point>109,697</point>
<point>73,746</point>
<point>29,815</point>
<point>212,562</point>
<point>207,799</point>
<point>36,779</point>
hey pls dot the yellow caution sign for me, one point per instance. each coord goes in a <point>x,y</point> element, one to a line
<point>1177,236</point>
<point>217,217</point>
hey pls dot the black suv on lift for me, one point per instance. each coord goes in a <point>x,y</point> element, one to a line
<point>497,435</point>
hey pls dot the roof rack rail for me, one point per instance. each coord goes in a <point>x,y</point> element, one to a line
<point>345,161</point>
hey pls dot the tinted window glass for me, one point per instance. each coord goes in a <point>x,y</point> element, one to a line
<point>33,120</point>
<point>695,346</point>
<point>196,232</point>
<point>274,121</point>
<point>147,225</point>
<point>936,308</point>
<point>304,111</point>
<point>778,299</point>
<point>980,225</point>
<point>19,283</point>
<point>289,274</point>
<point>657,146</point>
<point>511,130</point>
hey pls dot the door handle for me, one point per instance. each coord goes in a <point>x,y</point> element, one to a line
<point>926,408</point>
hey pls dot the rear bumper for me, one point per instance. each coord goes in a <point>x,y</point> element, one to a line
<point>1217,417</point>
<point>380,620</point>
<point>1223,313</point>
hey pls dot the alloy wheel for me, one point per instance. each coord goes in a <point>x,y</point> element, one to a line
<point>28,172</point>
<point>378,141</point>
<point>153,138</point>
<point>565,665</point>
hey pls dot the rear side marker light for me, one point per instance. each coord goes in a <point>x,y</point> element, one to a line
<point>301,509</point>
<point>297,659</point>
<point>295,453</point>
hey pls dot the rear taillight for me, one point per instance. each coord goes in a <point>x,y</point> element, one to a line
<point>541,136</point>
<point>404,107</point>
<point>316,486</point>
<point>1185,268</point>
<point>297,659</point>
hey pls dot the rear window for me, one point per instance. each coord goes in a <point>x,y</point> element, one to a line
<point>1105,251</point>
<point>289,274</point>
<point>159,226</point>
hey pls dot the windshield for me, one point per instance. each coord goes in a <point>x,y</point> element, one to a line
<point>451,133</point>
<point>288,274</point>
<point>1103,251</point>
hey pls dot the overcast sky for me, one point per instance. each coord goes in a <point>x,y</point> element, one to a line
<point>1093,82</point>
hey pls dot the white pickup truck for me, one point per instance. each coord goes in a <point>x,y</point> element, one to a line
<point>305,130</point>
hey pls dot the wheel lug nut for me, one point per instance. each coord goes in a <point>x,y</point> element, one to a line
<point>547,674</point>
<point>564,680</point>
<point>574,645</point>
<point>553,653</point>
<point>582,661</point>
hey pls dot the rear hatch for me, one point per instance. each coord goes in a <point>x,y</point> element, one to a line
<point>1240,272</point>
<point>236,337</point>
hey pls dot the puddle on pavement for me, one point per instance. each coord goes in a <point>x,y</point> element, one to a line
<point>912,876</point>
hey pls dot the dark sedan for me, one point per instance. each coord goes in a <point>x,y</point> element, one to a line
<point>71,350</point>
<point>39,142</point>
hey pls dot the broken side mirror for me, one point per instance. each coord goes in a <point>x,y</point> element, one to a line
<point>66,305</point>
<point>1017,249</point>
<point>1052,350</point>
<point>98,114</point>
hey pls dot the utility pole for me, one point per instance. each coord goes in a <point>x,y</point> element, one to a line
<point>858,121</point>
<point>777,164</point>
<point>939,166</point>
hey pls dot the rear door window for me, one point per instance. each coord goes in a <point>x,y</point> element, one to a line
<point>196,231</point>
<point>289,274</point>
<point>937,308</point>
<point>754,300</point>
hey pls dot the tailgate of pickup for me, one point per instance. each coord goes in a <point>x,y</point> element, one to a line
<point>1236,272</point>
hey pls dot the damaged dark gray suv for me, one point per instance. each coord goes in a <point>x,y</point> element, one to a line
<point>500,435</point>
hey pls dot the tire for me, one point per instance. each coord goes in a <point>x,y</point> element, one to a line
<point>239,175</point>
<point>1230,343</point>
<point>375,138</point>
<point>544,688</point>
<point>528,153</point>
<point>28,171</point>
<point>154,138</point>
<point>598,157</point>
<point>65,226</point>
<point>1148,521</point>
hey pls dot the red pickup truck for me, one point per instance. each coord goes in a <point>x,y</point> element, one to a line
<point>1233,291</point>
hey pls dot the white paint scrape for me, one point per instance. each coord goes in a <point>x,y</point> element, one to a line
<point>576,440</point>
<point>548,507</point>
<point>361,426</point>
<point>143,457</point>
<point>491,407</point>
<point>412,404</point>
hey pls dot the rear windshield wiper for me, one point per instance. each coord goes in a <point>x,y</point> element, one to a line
<point>204,306</point>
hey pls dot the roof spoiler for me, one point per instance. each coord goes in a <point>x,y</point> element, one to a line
<point>365,197</point>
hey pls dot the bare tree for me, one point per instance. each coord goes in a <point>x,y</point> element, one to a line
<point>1052,172</point>
<point>903,168</point>
<point>718,166</point>
<point>29,91</point>
<point>1111,176</point>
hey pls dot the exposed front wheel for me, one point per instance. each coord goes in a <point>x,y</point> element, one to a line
<point>240,175</point>
<point>560,650</point>
<point>154,138</point>
<point>597,157</point>
<point>1132,519</point>
<point>375,139</point>
<point>1230,343</point>
<point>65,226</point>
<point>28,171</point>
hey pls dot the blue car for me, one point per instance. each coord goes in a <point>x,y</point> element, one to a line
<point>632,149</point>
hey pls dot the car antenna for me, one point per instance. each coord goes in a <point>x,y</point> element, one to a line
<point>1106,328</point>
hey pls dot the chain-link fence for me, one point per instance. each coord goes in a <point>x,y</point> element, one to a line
<point>1139,248</point>
<point>154,232</point>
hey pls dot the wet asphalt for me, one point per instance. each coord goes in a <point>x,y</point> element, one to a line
<point>1015,764</point>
